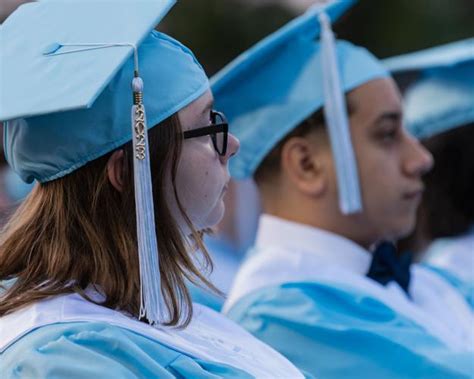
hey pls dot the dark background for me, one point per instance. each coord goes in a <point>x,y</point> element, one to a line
<point>218,30</point>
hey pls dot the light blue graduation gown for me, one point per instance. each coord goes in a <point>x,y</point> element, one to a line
<point>99,350</point>
<point>336,333</point>
<point>205,297</point>
<point>226,260</point>
<point>69,337</point>
<point>304,292</point>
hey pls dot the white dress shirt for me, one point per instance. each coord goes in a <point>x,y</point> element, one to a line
<point>288,252</point>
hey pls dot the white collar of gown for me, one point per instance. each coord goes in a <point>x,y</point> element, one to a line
<point>288,252</point>
<point>455,254</point>
<point>210,336</point>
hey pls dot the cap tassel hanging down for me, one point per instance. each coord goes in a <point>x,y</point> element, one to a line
<point>335,112</point>
<point>152,304</point>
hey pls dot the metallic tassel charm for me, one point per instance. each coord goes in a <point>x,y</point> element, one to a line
<point>139,118</point>
<point>139,127</point>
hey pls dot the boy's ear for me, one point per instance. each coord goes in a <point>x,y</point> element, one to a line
<point>302,163</point>
<point>115,167</point>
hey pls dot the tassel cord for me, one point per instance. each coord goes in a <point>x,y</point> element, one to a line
<point>335,112</point>
<point>152,305</point>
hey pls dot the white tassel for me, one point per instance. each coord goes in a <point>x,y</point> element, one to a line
<point>152,305</point>
<point>335,112</point>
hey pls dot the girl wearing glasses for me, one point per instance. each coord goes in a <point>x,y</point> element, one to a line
<point>72,303</point>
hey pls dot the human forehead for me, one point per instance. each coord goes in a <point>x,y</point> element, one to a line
<point>375,97</point>
<point>196,114</point>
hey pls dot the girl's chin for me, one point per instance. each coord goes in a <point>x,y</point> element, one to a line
<point>215,216</point>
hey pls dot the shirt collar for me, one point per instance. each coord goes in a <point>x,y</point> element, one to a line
<point>312,244</point>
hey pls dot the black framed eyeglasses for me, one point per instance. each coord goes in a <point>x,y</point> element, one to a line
<point>218,131</point>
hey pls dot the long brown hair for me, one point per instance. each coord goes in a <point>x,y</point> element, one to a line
<point>79,230</point>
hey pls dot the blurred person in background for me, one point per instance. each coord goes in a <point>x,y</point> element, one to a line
<point>8,6</point>
<point>439,103</point>
<point>12,189</point>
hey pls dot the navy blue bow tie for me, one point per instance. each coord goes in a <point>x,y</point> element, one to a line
<point>387,266</point>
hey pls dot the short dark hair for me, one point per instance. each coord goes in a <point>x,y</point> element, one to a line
<point>447,208</point>
<point>271,164</point>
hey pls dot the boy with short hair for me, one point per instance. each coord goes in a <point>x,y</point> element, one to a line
<point>310,287</point>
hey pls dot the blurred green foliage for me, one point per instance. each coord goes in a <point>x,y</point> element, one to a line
<point>218,30</point>
<point>391,27</point>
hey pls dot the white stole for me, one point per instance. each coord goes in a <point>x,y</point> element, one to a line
<point>210,336</point>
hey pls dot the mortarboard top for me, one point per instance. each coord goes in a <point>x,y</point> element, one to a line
<point>82,100</point>
<point>270,89</point>
<point>441,96</point>
<point>445,56</point>
<point>67,74</point>
<point>64,83</point>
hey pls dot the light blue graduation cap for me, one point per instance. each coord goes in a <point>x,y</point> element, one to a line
<point>442,95</point>
<point>68,72</point>
<point>271,88</point>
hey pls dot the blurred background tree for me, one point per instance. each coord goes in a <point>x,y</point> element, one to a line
<point>218,30</point>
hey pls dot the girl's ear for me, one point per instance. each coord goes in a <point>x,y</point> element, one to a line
<point>115,170</point>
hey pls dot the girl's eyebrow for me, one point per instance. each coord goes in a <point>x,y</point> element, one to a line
<point>208,107</point>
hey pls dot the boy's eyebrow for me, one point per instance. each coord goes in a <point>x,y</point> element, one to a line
<point>394,116</point>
